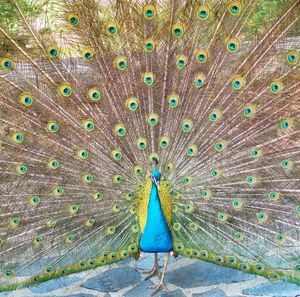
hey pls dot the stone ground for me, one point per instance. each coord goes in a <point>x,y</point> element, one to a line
<point>185,277</point>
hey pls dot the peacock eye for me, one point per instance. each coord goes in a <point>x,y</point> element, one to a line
<point>53,52</point>
<point>6,64</point>
<point>73,19</point>
<point>235,7</point>
<point>177,30</point>
<point>149,11</point>
<point>203,12</point>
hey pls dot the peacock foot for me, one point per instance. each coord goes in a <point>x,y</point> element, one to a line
<point>159,287</point>
<point>151,273</point>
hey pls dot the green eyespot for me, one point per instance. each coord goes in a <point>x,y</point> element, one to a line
<point>111,230</point>
<point>121,63</point>
<point>238,236</point>
<point>88,125</point>
<point>52,127</point>
<point>176,226</point>
<point>181,61</point>
<point>111,28</point>
<point>274,196</point>
<point>286,124</point>
<point>177,30</point>
<point>73,209</point>
<point>203,12</point>
<point>18,137</point>
<point>276,87</point>
<point>141,143</point>
<point>221,145</point>
<point>149,45</point>
<point>26,99</point>
<point>215,115</point>
<point>235,7</point>
<point>232,45</point>
<point>286,164</point>
<point>191,150</point>
<point>223,217</point>
<point>153,157</point>
<point>262,216</point>
<point>169,166</point>
<point>120,130</point>
<point>237,204</point>
<point>83,154</point>
<point>164,142</point>
<point>148,78</point>
<point>22,169</point>
<point>186,125</point>
<point>187,180</point>
<point>255,153</point>
<point>65,90</point>
<point>249,110</point>
<point>193,226</point>
<point>152,119</point>
<point>70,238</point>
<point>37,240</point>
<point>73,19</point>
<point>138,170</point>
<point>58,191</point>
<point>149,11</point>
<point>202,56</point>
<point>53,52</point>
<point>6,64</point>
<point>116,155</point>
<point>238,83</point>
<point>206,194</point>
<point>293,57</point>
<point>118,179</point>
<point>94,95</point>
<point>87,54</point>
<point>98,196</point>
<point>252,180</point>
<point>132,104</point>
<point>87,178</point>
<point>189,208</point>
<point>53,164</point>
<point>14,222</point>
<point>116,207</point>
<point>216,172</point>
<point>34,201</point>
<point>173,100</point>
<point>199,80</point>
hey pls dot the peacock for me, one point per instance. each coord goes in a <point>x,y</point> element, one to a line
<point>132,126</point>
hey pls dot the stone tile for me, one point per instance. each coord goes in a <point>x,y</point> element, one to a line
<point>176,293</point>
<point>78,295</point>
<point>53,284</point>
<point>278,289</point>
<point>113,280</point>
<point>211,293</point>
<point>141,290</point>
<point>205,274</point>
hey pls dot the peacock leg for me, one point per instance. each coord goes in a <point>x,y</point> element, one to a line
<point>161,285</point>
<point>154,270</point>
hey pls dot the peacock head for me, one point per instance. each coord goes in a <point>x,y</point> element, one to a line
<point>156,174</point>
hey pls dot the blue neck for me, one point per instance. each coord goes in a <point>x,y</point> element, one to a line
<point>156,237</point>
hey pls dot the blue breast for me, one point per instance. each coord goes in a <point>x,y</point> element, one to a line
<point>156,237</point>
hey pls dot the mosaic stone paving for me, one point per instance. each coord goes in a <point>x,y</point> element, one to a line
<point>185,277</point>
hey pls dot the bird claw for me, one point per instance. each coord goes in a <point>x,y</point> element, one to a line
<point>161,286</point>
<point>150,274</point>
